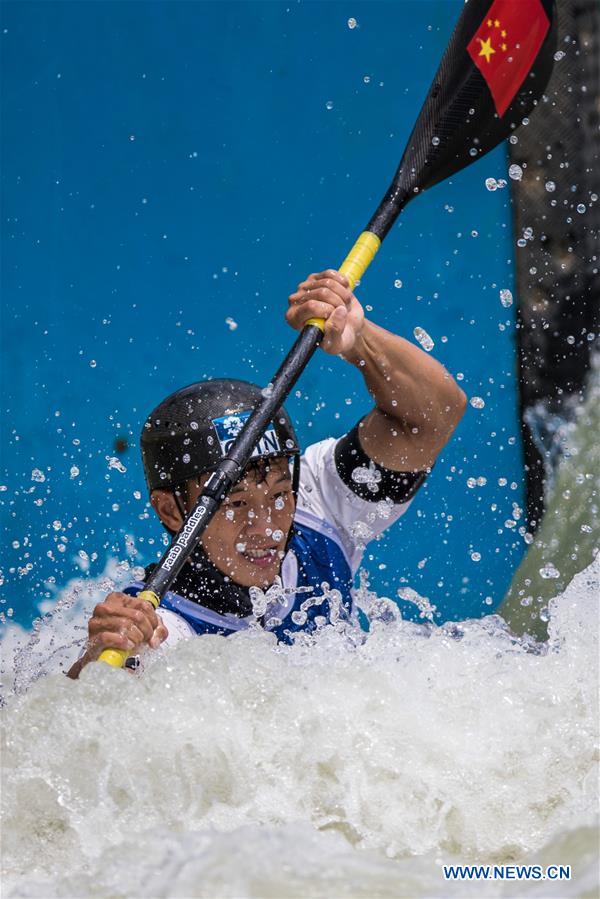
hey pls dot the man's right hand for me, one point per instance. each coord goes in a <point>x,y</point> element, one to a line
<point>121,622</point>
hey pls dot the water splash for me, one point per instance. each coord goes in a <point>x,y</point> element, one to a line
<point>413,740</point>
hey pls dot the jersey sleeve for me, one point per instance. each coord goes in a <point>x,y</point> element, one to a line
<point>341,485</point>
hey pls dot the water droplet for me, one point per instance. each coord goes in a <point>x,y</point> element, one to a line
<point>74,471</point>
<point>329,104</point>
<point>279,503</point>
<point>361,531</point>
<point>367,79</point>
<point>352,23</point>
<point>549,571</point>
<point>435,141</point>
<point>384,508</point>
<point>278,535</point>
<point>560,54</point>
<point>491,184</point>
<point>424,339</point>
<point>398,283</point>
<point>37,475</point>
<point>93,363</point>
<point>506,297</point>
<point>229,514</point>
<point>370,476</point>
<point>231,324</point>
<point>581,208</point>
<point>475,556</point>
<point>115,464</point>
<point>515,172</point>
<point>550,186</point>
<point>473,151</point>
<point>477,402</point>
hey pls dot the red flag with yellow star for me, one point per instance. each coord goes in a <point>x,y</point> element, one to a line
<point>505,45</point>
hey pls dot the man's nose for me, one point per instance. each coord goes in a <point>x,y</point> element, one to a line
<point>259,518</point>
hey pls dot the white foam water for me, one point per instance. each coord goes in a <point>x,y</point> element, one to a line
<point>338,767</point>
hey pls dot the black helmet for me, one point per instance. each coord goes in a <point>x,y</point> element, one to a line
<point>193,428</point>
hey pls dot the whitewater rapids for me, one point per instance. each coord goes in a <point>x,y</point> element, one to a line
<point>346,768</point>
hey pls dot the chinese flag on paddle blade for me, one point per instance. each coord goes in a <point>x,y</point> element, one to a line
<point>506,44</point>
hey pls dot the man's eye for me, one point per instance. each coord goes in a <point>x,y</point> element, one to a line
<point>236,504</point>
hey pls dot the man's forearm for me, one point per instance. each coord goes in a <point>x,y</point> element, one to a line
<point>405,382</point>
<point>418,403</point>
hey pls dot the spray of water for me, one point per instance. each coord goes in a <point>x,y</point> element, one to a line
<point>349,765</point>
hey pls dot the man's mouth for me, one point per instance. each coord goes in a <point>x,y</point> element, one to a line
<point>261,557</point>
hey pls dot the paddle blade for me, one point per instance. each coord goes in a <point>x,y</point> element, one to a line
<point>493,71</point>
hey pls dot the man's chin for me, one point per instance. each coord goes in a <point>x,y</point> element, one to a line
<point>256,578</point>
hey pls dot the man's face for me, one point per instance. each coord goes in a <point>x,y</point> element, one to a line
<point>246,538</point>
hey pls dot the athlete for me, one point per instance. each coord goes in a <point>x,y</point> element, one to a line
<point>286,543</point>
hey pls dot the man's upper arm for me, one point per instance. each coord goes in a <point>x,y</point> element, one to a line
<point>398,447</point>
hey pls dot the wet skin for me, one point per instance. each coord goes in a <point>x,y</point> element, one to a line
<point>246,538</point>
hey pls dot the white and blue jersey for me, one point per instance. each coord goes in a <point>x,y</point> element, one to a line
<point>344,501</point>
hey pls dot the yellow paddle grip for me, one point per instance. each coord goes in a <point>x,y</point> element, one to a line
<point>355,265</point>
<point>118,657</point>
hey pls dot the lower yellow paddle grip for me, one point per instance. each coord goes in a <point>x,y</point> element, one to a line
<point>355,265</point>
<point>117,657</point>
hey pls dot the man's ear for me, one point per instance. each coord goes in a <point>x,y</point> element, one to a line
<point>163,503</point>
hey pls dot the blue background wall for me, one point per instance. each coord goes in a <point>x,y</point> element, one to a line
<point>169,165</point>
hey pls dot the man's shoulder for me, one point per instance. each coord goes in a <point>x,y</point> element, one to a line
<point>316,453</point>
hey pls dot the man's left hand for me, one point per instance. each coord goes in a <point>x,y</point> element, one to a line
<point>327,295</point>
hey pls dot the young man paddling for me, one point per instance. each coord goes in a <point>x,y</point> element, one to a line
<point>290,524</point>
